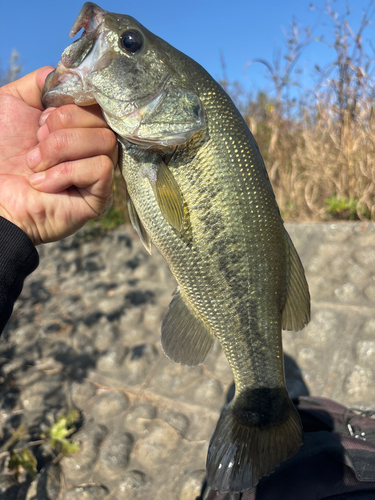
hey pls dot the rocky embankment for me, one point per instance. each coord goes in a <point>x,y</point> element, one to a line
<point>85,335</point>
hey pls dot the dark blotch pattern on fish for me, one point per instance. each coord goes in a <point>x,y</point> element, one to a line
<point>262,407</point>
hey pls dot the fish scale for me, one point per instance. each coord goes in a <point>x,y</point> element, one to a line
<point>198,189</point>
<point>241,187</point>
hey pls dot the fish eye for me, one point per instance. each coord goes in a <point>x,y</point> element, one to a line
<point>131,41</point>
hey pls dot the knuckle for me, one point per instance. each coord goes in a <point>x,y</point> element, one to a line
<point>65,169</point>
<point>58,141</point>
<point>105,164</point>
<point>67,115</point>
<point>61,118</point>
<point>109,139</point>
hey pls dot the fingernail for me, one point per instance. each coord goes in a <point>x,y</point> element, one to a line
<point>33,157</point>
<point>37,178</point>
<point>43,132</point>
<point>44,116</point>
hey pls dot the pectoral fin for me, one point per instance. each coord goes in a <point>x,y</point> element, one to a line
<point>296,312</point>
<point>169,197</point>
<point>137,224</point>
<point>184,337</point>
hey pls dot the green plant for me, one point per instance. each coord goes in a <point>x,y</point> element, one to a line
<point>59,434</point>
<point>22,459</point>
<point>342,208</point>
<point>58,437</point>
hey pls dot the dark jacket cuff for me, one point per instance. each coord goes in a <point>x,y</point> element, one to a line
<point>18,258</point>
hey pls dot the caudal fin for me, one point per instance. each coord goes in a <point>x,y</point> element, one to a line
<point>247,446</point>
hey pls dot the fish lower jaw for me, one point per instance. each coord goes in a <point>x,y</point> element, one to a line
<point>65,86</point>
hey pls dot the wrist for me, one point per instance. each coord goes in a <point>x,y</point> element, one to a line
<point>5,215</point>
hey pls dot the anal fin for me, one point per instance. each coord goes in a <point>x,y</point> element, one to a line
<point>184,337</point>
<point>296,312</point>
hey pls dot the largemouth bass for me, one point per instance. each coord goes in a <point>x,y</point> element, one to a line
<point>198,189</point>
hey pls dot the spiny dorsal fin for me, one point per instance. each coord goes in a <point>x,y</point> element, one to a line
<point>137,224</point>
<point>296,312</point>
<point>184,337</point>
<point>169,197</point>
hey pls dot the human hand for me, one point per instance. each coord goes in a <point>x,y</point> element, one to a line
<point>56,166</point>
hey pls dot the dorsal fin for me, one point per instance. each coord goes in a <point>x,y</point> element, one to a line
<point>184,337</point>
<point>296,312</point>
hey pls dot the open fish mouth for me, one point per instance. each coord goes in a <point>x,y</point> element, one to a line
<point>66,84</point>
<point>89,18</point>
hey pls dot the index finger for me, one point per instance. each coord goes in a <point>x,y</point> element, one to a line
<point>73,116</point>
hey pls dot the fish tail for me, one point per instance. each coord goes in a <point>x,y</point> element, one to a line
<point>255,433</point>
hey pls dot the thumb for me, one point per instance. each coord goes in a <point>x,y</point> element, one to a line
<point>29,87</point>
<point>41,75</point>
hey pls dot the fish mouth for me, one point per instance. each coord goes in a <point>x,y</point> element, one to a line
<point>66,85</point>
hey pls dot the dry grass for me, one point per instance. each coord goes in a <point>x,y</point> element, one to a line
<point>320,168</point>
<point>319,148</point>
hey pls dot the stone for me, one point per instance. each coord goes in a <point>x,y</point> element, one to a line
<point>176,419</point>
<point>369,328</point>
<point>12,366</point>
<point>366,257</point>
<point>87,492</point>
<point>209,391</point>
<point>46,393</point>
<point>24,334</point>
<point>106,336</point>
<point>85,334</point>
<point>90,319</point>
<point>48,484</point>
<point>81,393</point>
<point>346,292</point>
<point>222,369</point>
<point>109,404</point>
<point>322,327</point>
<point>112,307</point>
<point>133,485</point>
<point>357,274</point>
<point>175,379</point>
<point>79,465</point>
<point>10,488</point>
<point>111,360</point>
<point>115,452</point>
<point>358,380</point>
<point>138,419</point>
<point>138,362</point>
<point>370,293</point>
<point>160,444</point>
<point>366,352</point>
<point>153,316</point>
<point>192,486</point>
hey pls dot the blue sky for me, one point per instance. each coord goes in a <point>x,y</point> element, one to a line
<point>240,29</point>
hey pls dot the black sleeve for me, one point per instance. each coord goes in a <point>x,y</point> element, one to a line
<point>18,258</point>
